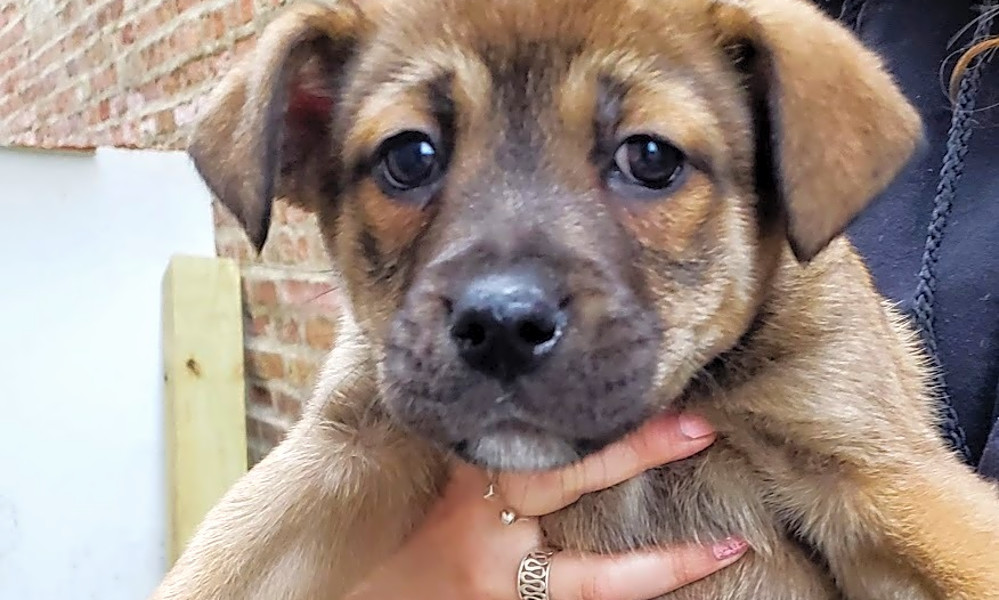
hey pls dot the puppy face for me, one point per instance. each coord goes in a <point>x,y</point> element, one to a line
<point>549,216</point>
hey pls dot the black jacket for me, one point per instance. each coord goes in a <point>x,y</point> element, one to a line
<point>929,239</point>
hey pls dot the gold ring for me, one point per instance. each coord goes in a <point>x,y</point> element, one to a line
<point>533,573</point>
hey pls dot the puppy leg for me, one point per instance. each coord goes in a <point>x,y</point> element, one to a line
<point>310,519</point>
<point>911,532</point>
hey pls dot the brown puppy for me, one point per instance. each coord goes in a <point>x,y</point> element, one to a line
<point>556,218</point>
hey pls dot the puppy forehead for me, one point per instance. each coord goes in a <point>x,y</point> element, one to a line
<point>522,57</point>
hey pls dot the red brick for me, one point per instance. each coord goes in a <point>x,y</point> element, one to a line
<point>49,56</point>
<point>252,427</point>
<point>258,325</point>
<point>165,12</point>
<point>97,54</point>
<point>18,30</point>
<point>230,14</point>
<point>213,25</point>
<point>317,252</point>
<point>7,15</point>
<point>245,11</point>
<point>261,292</point>
<point>126,34</point>
<point>269,432</point>
<point>241,47</point>
<point>299,372</point>
<point>8,41</point>
<point>105,79</point>
<point>64,100</point>
<point>302,249</point>
<point>150,91</point>
<point>234,247</point>
<point>7,64</point>
<point>109,13</point>
<point>72,67</point>
<point>77,37</point>
<point>320,332</point>
<point>287,405</point>
<point>258,395</point>
<point>285,247</point>
<point>170,86</point>
<point>146,25</point>
<point>260,429</point>
<point>164,120</point>
<point>287,213</point>
<point>104,110</point>
<point>186,37</point>
<point>308,293</point>
<point>193,72</point>
<point>264,365</point>
<point>287,331</point>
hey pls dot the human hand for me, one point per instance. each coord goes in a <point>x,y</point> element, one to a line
<point>463,550</point>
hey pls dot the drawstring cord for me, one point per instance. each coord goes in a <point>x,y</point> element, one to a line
<point>958,140</point>
<point>966,85</point>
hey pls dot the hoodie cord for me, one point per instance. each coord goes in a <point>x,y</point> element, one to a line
<point>851,12</point>
<point>958,140</point>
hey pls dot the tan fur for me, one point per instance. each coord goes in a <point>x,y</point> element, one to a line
<point>775,332</point>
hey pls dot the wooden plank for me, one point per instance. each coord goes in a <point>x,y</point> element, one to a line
<point>205,389</point>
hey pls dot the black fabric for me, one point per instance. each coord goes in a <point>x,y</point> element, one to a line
<point>989,465</point>
<point>914,37</point>
<point>962,128</point>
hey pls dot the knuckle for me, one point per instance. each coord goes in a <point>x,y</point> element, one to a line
<point>571,484</point>
<point>574,489</point>
<point>593,588</point>
<point>636,450</point>
<point>570,497</point>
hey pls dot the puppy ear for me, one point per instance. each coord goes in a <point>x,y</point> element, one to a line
<point>833,127</point>
<point>266,128</point>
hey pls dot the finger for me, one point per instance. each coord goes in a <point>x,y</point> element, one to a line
<point>637,576</point>
<point>661,440</point>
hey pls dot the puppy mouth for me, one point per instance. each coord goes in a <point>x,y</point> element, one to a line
<point>519,446</point>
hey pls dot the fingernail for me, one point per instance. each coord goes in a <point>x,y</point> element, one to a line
<point>694,427</point>
<point>729,548</point>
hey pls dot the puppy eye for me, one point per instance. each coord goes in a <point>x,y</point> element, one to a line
<point>649,162</point>
<point>407,161</point>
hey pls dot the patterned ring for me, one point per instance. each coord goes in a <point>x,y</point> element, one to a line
<point>532,576</point>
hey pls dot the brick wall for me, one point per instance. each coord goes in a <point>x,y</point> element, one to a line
<point>130,73</point>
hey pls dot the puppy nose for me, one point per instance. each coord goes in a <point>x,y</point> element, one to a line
<point>505,325</point>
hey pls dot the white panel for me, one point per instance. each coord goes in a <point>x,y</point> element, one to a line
<point>84,241</point>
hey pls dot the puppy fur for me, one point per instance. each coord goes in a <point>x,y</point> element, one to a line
<point>730,294</point>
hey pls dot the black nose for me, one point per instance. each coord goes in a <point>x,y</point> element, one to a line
<point>505,325</point>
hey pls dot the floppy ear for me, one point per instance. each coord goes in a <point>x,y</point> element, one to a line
<point>833,127</point>
<point>266,129</point>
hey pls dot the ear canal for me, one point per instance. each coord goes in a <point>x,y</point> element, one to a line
<point>265,129</point>
<point>834,129</point>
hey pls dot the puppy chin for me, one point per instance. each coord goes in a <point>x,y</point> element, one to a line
<point>519,451</point>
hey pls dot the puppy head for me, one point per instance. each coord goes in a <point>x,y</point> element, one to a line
<point>550,215</point>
